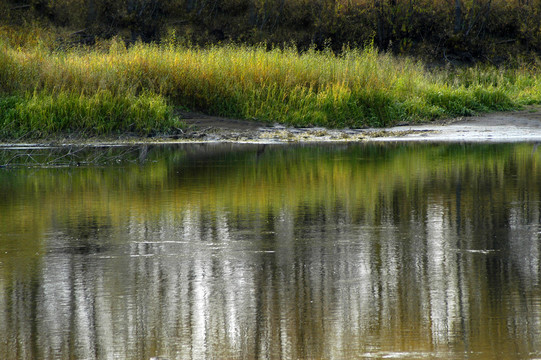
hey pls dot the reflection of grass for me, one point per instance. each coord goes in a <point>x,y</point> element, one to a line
<point>367,184</point>
<point>355,88</point>
<point>361,179</point>
<point>364,178</point>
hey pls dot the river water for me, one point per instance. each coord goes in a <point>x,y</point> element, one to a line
<point>224,251</point>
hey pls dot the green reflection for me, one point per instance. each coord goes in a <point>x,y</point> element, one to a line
<point>323,251</point>
<point>361,178</point>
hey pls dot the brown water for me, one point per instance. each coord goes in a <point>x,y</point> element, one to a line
<point>249,252</point>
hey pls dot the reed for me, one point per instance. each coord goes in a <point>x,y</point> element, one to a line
<point>354,89</point>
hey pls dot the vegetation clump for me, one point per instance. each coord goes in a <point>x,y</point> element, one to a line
<point>110,87</point>
<point>41,114</point>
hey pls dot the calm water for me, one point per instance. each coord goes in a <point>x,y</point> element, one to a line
<point>249,252</point>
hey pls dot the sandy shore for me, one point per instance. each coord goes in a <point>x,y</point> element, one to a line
<point>513,126</point>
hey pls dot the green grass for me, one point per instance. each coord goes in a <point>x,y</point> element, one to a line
<point>102,85</point>
<point>40,115</point>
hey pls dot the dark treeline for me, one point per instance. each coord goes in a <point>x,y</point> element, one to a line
<point>450,30</point>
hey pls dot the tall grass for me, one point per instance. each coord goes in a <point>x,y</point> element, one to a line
<point>354,89</point>
<point>40,114</point>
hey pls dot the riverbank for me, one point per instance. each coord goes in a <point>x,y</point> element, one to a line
<point>111,88</point>
<point>500,127</point>
<point>506,126</point>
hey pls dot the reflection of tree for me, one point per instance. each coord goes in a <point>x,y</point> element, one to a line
<point>315,268</point>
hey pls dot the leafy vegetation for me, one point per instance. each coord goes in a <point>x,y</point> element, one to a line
<point>110,87</point>
<point>40,114</point>
<point>441,30</point>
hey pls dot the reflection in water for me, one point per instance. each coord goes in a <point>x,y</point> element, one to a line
<point>217,251</point>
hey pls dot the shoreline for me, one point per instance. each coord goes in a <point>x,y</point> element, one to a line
<point>498,127</point>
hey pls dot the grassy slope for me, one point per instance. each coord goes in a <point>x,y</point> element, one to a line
<point>111,88</point>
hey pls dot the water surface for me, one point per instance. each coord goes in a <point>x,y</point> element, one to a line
<point>248,252</point>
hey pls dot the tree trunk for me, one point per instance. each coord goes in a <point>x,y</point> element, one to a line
<point>380,25</point>
<point>90,13</point>
<point>458,17</point>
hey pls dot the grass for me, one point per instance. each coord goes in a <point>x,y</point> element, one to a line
<point>40,115</point>
<point>108,87</point>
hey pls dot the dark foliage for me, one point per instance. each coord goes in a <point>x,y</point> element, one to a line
<point>455,31</point>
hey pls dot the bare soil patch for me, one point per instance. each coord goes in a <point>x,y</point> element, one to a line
<point>511,126</point>
<point>199,121</point>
